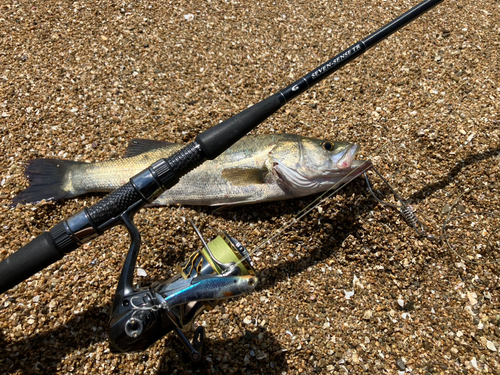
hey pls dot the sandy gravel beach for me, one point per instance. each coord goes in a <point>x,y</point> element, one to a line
<point>351,288</point>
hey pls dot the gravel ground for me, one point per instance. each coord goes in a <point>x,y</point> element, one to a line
<point>351,288</point>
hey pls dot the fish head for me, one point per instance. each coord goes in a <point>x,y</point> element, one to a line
<point>316,165</point>
<point>324,156</point>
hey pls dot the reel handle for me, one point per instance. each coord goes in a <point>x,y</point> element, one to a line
<point>142,316</point>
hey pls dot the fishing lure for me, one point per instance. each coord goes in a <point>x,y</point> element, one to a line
<point>406,210</point>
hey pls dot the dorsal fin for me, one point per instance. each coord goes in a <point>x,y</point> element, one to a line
<point>140,146</point>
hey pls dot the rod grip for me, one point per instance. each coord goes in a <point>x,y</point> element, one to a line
<point>113,204</point>
<point>28,260</point>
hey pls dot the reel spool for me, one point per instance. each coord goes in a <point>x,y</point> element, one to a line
<point>223,255</point>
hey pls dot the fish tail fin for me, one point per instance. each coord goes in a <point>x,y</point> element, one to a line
<point>47,178</point>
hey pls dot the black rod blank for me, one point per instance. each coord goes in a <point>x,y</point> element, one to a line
<point>217,139</point>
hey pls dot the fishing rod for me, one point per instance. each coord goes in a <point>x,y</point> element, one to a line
<point>140,317</point>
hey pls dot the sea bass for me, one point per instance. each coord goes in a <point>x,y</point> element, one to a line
<point>258,168</point>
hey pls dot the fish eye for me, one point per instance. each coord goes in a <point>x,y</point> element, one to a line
<point>327,145</point>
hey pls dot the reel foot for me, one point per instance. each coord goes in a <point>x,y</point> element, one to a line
<point>196,348</point>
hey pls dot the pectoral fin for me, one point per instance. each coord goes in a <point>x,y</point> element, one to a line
<point>245,176</point>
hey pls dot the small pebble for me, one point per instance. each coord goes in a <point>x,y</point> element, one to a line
<point>141,272</point>
<point>490,345</point>
<point>367,314</point>
<point>401,365</point>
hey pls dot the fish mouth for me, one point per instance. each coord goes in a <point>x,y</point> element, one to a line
<point>348,158</point>
<point>346,174</point>
<point>354,169</point>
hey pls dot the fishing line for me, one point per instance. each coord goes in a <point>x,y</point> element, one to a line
<point>406,210</point>
<point>315,203</point>
<point>320,200</point>
<point>411,218</point>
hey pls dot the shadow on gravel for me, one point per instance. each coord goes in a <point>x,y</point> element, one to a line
<point>428,190</point>
<point>44,353</point>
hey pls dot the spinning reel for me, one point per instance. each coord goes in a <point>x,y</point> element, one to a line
<point>221,269</point>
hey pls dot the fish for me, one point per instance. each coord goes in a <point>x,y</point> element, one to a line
<point>257,168</point>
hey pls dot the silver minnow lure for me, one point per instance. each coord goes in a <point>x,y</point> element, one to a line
<point>205,288</point>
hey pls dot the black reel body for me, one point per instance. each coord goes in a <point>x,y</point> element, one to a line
<point>221,269</point>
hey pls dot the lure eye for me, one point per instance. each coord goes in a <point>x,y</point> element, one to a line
<point>327,145</point>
